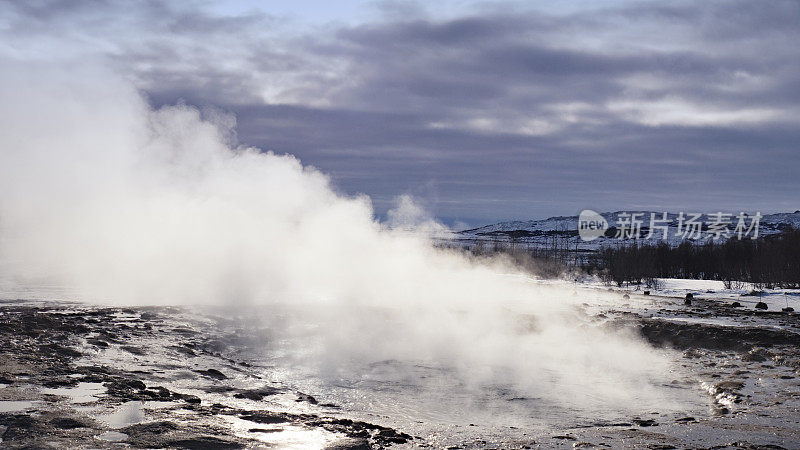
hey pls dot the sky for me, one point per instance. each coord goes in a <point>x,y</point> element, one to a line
<point>482,111</point>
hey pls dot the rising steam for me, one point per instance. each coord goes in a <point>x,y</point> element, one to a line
<point>126,204</point>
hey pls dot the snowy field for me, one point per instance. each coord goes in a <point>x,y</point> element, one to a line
<point>776,299</point>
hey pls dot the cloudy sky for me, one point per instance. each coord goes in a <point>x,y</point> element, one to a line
<point>482,110</point>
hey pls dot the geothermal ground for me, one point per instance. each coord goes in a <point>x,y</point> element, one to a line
<point>78,376</point>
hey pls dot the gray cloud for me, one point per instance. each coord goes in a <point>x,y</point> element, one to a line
<point>499,112</point>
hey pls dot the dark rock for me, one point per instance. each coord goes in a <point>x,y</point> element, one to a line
<point>353,444</point>
<point>757,355</point>
<point>257,394</point>
<point>203,443</point>
<point>159,427</point>
<point>736,305</point>
<point>379,435</point>
<point>301,397</point>
<point>193,399</point>
<point>131,389</point>
<point>60,382</point>
<point>134,350</point>
<point>685,420</point>
<point>687,336</point>
<point>728,386</point>
<point>19,426</point>
<point>761,305</point>
<point>158,393</point>
<point>388,435</point>
<point>645,422</point>
<point>184,350</point>
<point>124,387</point>
<point>97,342</point>
<point>219,389</point>
<point>166,434</point>
<point>265,417</point>
<point>788,309</point>
<point>611,424</point>
<point>67,423</point>
<point>147,315</point>
<point>55,349</point>
<point>565,437</point>
<point>646,292</point>
<point>184,331</point>
<point>212,373</point>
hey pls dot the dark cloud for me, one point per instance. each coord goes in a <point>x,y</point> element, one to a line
<point>498,112</point>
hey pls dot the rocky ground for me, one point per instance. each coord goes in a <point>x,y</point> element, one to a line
<point>80,377</point>
<point>76,376</point>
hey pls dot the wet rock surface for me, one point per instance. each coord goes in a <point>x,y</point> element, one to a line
<point>746,360</point>
<point>75,376</point>
<point>715,337</point>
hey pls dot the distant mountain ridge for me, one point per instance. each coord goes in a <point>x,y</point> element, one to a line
<point>565,228</point>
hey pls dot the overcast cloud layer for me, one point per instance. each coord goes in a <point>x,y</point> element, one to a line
<point>491,111</point>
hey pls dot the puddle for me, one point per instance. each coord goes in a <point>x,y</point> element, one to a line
<point>130,413</point>
<point>295,437</point>
<point>11,406</point>
<point>284,436</point>
<point>112,436</point>
<point>82,393</point>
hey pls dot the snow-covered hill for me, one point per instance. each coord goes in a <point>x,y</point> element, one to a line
<point>563,230</point>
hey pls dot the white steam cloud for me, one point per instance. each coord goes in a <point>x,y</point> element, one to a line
<point>127,204</point>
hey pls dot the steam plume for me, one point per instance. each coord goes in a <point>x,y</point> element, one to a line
<point>122,203</point>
